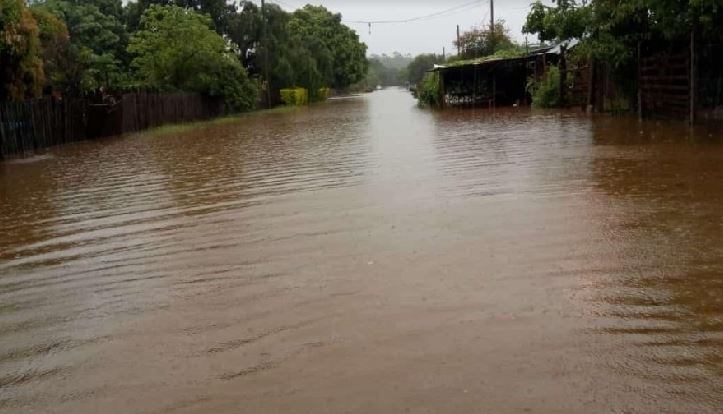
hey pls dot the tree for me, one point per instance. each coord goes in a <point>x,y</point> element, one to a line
<point>309,48</point>
<point>21,66</point>
<point>177,49</point>
<point>97,43</point>
<point>327,38</point>
<point>55,45</point>
<point>615,27</point>
<point>218,10</point>
<point>483,42</point>
<point>244,29</point>
<point>382,74</point>
<point>567,20</point>
<point>421,65</point>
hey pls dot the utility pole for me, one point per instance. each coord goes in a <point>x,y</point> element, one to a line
<point>492,41</point>
<point>266,54</point>
<point>458,45</point>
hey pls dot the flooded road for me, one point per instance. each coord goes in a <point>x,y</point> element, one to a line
<point>367,256</point>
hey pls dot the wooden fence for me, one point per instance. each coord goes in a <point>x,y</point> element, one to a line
<point>28,126</point>
<point>665,85</point>
<point>140,111</point>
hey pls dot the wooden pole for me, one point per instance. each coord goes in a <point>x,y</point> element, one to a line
<point>442,91</point>
<point>459,53</point>
<point>563,76</point>
<point>494,90</point>
<point>591,85</point>
<point>474,86</point>
<point>692,76</point>
<point>640,92</point>
<point>266,54</point>
<point>492,24</point>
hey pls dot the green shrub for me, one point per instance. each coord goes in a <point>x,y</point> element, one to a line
<point>323,94</point>
<point>428,90</point>
<point>546,92</point>
<point>295,96</point>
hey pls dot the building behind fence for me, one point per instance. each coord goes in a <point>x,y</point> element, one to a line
<point>28,126</point>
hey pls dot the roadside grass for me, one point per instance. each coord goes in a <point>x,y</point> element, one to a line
<point>224,120</point>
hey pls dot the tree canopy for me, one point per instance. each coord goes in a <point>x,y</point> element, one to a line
<point>97,44</point>
<point>21,64</point>
<point>484,42</point>
<point>420,65</point>
<point>177,49</point>
<point>75,47</point>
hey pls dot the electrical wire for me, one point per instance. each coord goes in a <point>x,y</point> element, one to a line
<point>283,3</point>
<point>418,18</point>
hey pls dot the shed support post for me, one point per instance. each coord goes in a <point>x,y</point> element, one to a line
<point>442,92</point>
<point>692,76</point>
<point>591,85</point>
<point>640,86</point>
<point>474,86</point>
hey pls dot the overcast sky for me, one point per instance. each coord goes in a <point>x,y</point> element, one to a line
<point>425,35</point>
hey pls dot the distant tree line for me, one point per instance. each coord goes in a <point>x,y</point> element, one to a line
<point>386,70</point>
<point>76,47</point>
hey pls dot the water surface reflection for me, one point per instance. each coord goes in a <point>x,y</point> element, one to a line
<point>366,255</point>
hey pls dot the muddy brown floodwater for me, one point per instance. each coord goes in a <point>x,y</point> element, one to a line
<point>367,256</point>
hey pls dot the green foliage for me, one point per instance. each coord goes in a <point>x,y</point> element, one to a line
<point>511,52</point>
<point>21,65</point>
<point>428,91</point>
<point>339,55</point>
<point>395,61</point>
<point>611,29</point>
<point>176,49</point>
<point>323,94</point>
<point>97,43</point>
<point>295,96</point>
<point>419,67</point>
<point>310,48</point>
<point>484,42</point>
<point>565,21</point>
<point>55,44</point>
<point>546,93</point>
<point>380,74</point>
<point>210,47</point>
<point>220,11</point>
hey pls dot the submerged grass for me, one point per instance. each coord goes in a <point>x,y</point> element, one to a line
<point>229,119</point>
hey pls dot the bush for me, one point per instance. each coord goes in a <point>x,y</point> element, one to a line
<point>428,90</point>
<point>546,93</point>
<point>295,96</point>
<point>323,94</point>
<point>231,82</point>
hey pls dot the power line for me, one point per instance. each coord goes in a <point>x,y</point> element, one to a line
<point>283,3</point>
<point>418,18</point>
